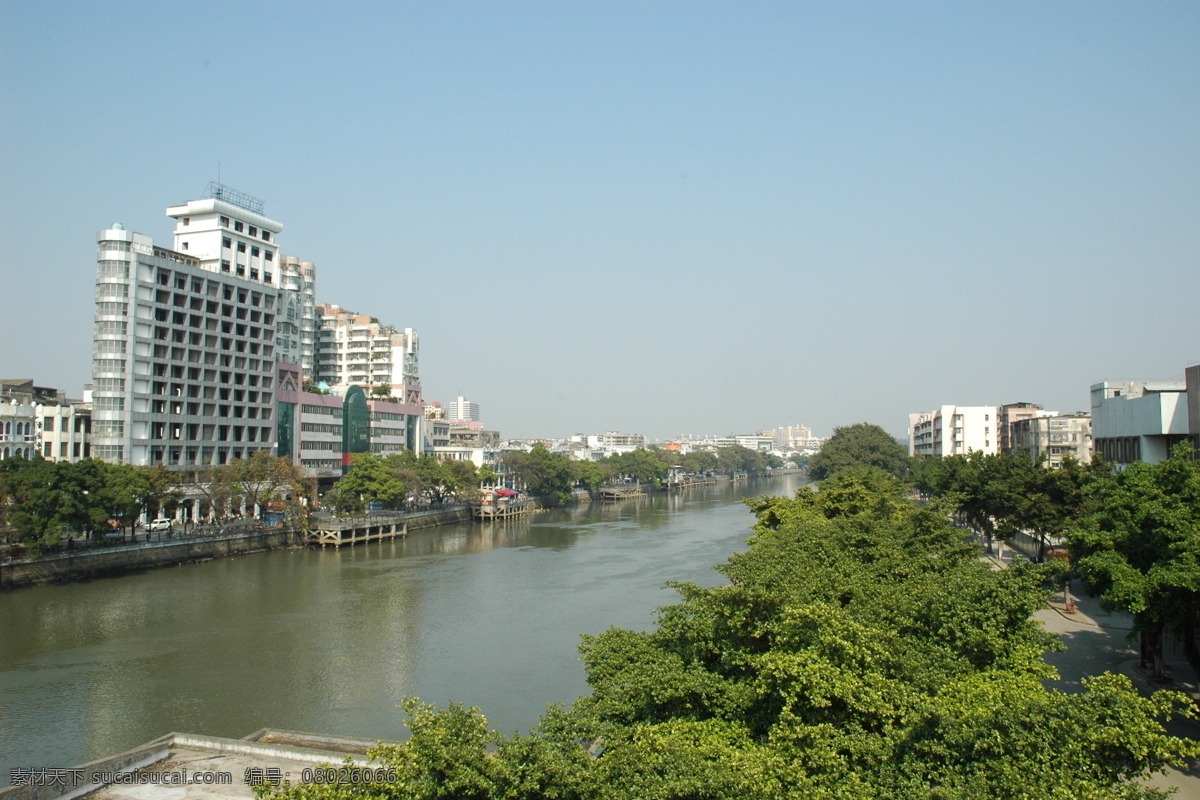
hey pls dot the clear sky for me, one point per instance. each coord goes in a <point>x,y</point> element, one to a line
<point>655,217</point>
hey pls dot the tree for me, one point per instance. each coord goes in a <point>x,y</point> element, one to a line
<point>588,474</point>
<point>699,462</point>
<point>540,471</point>
<point>645,466</point>
<point>369,479</point>
<point>858,648</point>
<point>259,479</point>
<point>859,445</point>
<point>1139,546</point>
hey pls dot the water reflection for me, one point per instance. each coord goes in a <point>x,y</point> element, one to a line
<point>332,641</point>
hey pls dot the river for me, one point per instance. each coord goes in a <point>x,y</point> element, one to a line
<point>332,641</point>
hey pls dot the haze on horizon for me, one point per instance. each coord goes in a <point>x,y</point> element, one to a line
<point>648,217</point>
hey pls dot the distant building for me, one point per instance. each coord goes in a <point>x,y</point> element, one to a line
<point>1138,421</point>
<point>1056,437</point>
<point>311,427</point>
<point>953,430</point>
<point>358,350</point>
<point>1009,415</point>
<point>756,442</point>
<point>792,437</point>
<point>18,419</point>
<point>461,409</point>
<point>296,338</point>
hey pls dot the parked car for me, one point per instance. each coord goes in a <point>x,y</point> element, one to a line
<point>160,524</point>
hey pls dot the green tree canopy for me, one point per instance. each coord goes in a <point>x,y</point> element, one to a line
<point>858,648</point>
<point>369,479</point>
<point>859,445</point>
<point>1139,546</point>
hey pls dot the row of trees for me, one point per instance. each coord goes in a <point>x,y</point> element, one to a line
<point>400,480</point>
<point>857,649</point>
<point>42,501</point>
<point>554,475</point>
<point>1132,535</point>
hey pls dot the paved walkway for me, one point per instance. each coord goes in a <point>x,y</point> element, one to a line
<point>1096,642</point>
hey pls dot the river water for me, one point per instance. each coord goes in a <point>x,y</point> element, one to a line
<point>332,641</point>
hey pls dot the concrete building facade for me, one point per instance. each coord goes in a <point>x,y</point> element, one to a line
<point>953,430</point>
<point>18,434</point>
<point>461,409</point>
<point>296,339</point>
<point>1138,421</point>
<point>64,431</point>
<point>311,426</point>
<point>1008,415</point>
<point>1055,437</point>
<point>183,353</point>
<point>356,349</point>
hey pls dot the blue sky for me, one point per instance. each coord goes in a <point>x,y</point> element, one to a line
<point>656,217</point>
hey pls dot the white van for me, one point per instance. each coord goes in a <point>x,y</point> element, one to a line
<point>160,524</point>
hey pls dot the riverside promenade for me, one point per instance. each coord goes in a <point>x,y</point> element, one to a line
<point>1096,642</point>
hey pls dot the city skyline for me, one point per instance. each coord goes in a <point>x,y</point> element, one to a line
<point>645,217</point>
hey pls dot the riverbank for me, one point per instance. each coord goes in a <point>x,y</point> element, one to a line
<point>90,563</point>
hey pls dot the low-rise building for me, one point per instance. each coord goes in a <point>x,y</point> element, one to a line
<point>1138,421</point>
<point>18,420</point>
<point>312,426</point>
<point>64,430</point>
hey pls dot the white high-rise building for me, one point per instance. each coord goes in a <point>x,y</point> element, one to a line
<point>357,349</point>
<point>296,342</point>
<point>184,339</point>
<point>462,409</point>
<point>953,430</point>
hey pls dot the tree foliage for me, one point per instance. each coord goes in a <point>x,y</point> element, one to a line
<point>1139,546</point>
<point>45,500</point>
<point>858,649</point>
<point>859,445</point>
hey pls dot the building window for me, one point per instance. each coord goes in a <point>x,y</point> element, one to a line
<point>269,255</point>
<point>224,222</point>
<point>253,231</point>
<point>224,265</point>
<point>266,236</point>
<point>254,251</point>
<point>226,242</point>
<point>241,247</point>
<point>237,225</point>
<point>185,244</point>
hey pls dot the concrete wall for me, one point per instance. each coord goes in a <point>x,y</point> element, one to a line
<point>105,561</point>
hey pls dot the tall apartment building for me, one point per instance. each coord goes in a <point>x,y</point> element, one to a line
<point>184,339</point>
<point>296,338</point>
<point>953,430</point>
<point>792,437</point>
<point>356,349</point>
<point>462,409</point>
<point>1056,437</point>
